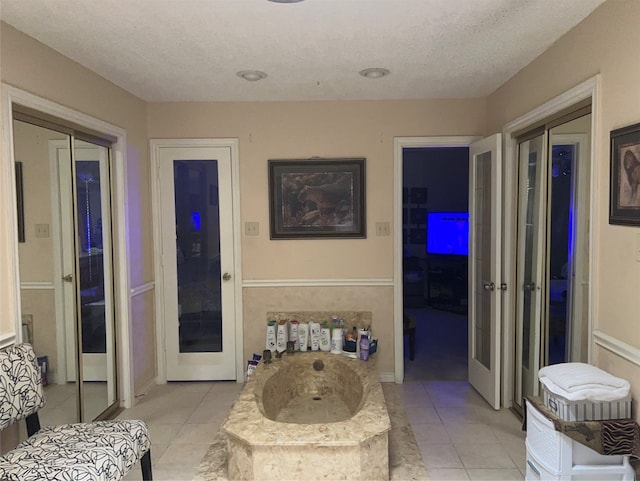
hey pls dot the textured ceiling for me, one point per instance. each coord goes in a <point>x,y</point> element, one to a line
<point>191,50</point>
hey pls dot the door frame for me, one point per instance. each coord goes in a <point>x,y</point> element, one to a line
<point>9,241</point>
<point>400,143</point>
<point>232,144</point>
<point>589,88</point>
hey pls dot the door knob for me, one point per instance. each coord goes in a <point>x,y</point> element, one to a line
<point>489,286</point>
<point>67,278</point>
<point>226,276</point>
<point>530,285</point>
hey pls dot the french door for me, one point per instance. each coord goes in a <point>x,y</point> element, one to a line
<point>530,254</point>
<point>196,228</point>
<point>485,285</point>
<point>85,223</point>
<point>552,273</point>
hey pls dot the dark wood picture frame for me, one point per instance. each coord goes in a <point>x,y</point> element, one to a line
<point>20,201</point>
<point>317,198</point>
<point>624,204</point>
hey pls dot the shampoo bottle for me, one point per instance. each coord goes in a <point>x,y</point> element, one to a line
<point>364,348</point>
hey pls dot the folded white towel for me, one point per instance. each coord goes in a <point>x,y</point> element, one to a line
<point>578,381</point>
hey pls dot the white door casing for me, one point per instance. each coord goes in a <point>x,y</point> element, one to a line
<point>485,188</point>
<point>12,95</point>
<point>589,88</point>
<point>172,364</point>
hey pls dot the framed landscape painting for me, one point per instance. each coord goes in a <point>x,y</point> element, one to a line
<point>317,198</point>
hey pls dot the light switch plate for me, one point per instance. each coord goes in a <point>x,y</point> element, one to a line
<point>42,230</point>
<point>251,228</point>
<point>382,228</point>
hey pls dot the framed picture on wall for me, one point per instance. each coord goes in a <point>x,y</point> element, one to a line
<point>317,198</point>
<point>624,204</point>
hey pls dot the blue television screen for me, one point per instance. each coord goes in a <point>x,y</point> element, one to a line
<point>448,233</point>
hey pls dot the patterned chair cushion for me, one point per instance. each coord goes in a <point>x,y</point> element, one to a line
<point>98,451</point>
<point>21,392</point>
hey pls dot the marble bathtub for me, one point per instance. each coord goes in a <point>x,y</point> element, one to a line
<point>310,416</point>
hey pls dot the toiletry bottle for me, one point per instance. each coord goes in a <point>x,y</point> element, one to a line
<point>336,341</point>
<point>364,348</point>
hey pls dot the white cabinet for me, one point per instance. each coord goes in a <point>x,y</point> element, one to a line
<point>553,456</point>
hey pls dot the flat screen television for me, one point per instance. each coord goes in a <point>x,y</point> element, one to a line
<point>448,233</point>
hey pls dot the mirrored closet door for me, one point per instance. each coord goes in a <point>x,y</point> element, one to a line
<point>552,296</point>
<point>65,259</point>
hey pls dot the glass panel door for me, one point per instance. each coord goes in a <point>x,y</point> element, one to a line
<point>529,275</point>
<point>552,298</point>
<point>484,282</point>
<point>94,274</point>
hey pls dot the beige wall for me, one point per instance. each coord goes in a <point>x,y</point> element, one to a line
<point>606,44</point>
<point>37,69</point>
<point>285,130</point>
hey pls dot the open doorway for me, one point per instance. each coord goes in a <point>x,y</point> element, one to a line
<point>435,213</point>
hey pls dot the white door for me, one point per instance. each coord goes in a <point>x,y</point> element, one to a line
<point>196,226</point>
<point>484,267</point>
<point>84,229</point>
<point>530,282</point>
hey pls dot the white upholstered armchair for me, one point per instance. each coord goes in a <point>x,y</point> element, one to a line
<point>98,451</point>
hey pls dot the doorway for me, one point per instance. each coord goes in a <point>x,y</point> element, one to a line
<point>200,337</point>
<point>435,203</point>
<point>66,266</point>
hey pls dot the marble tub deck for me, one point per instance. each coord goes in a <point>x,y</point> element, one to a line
<point>405,460</point>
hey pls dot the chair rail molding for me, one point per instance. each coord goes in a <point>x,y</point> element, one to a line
<point>383,282</point>
<point>617,347</point>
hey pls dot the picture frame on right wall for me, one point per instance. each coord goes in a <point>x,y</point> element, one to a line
<point>624,203</point>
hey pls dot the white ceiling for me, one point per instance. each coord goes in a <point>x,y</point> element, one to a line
<point>191,50</point>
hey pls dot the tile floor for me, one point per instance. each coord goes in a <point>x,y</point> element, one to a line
<point>459,435</point>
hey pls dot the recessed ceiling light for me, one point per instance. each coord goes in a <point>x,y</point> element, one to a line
<point>251,75</point>
<point>286,1</point>
<point>374,72</point>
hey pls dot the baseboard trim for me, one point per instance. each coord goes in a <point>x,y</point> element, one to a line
<point>387,377</point>
<point>37,286</point>
<point>617,347</point>
<point>144,391</point>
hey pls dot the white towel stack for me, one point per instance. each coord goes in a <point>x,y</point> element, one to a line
<point>576,381</point>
